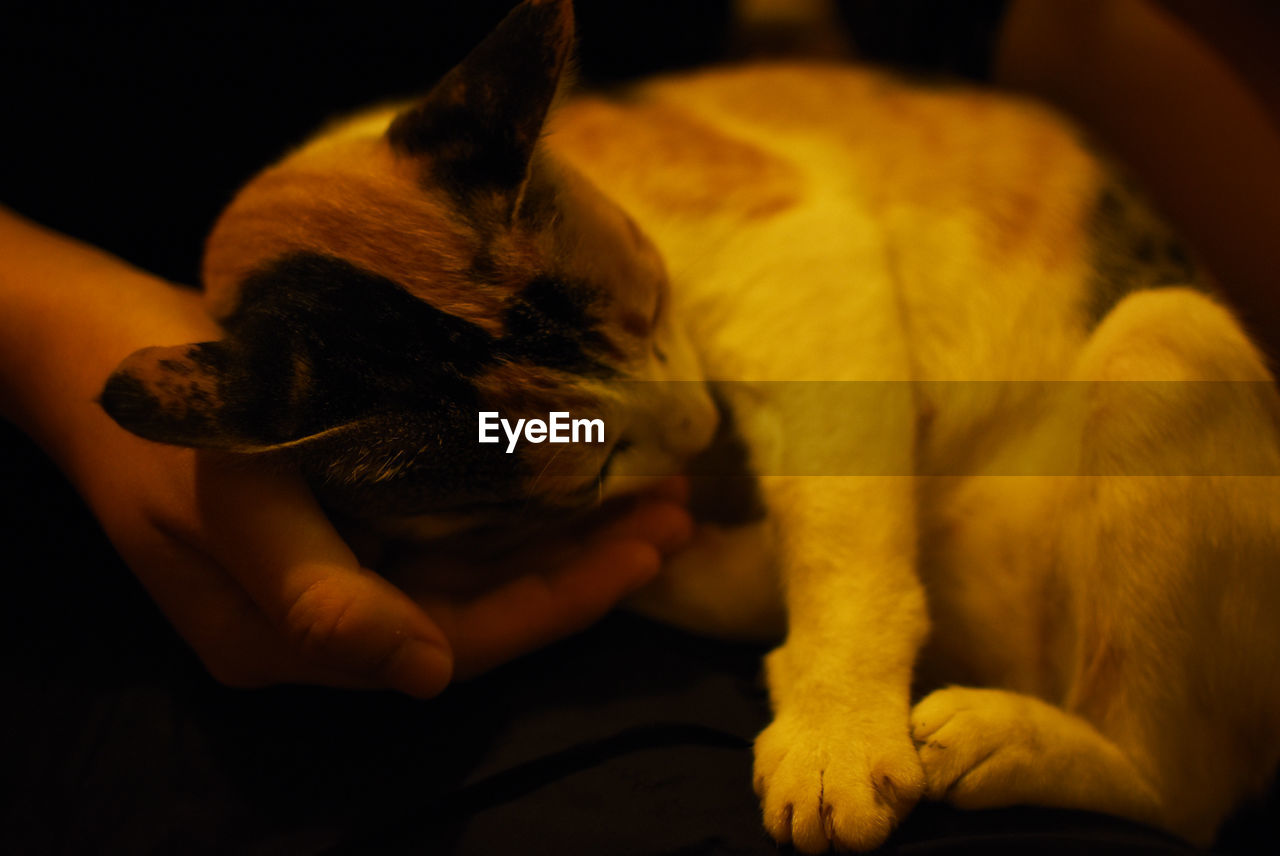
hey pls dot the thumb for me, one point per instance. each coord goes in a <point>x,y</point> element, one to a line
<point>268,532</point>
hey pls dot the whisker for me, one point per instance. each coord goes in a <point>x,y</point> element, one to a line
<point>531,501</point>
<point>533,487</point>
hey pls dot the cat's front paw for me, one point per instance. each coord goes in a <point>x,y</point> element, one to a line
<point>835,780</point>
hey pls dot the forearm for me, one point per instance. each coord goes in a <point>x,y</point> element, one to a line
<point>68,314</point>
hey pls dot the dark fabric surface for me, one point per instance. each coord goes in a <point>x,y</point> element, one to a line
<point>129,126</point>
<point>129,123</point>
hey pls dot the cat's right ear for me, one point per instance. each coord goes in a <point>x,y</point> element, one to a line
<point>476,131</point>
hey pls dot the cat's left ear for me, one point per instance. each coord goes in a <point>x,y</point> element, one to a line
<point>477,129</point>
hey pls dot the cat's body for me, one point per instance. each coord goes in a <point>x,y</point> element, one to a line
<point>950,240</point>
<point>930,295</point>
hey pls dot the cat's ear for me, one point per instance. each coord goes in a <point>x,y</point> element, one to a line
<point>476,130</point>
<point>188,395</point>
<point>205,396</point>
<point>217,395</point>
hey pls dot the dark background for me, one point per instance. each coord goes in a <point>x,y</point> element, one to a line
<point>130,126</point>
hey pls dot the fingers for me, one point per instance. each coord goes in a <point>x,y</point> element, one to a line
<point>538,608</point>
<point>309,612</point>
<point>333,615</point>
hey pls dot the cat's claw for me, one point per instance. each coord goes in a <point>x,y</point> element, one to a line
<point>825,783</point>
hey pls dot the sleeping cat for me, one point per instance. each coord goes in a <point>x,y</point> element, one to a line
<point>1001,437</point>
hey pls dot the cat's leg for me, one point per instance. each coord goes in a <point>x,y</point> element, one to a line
<point>984,748</point>
<point>1169,541</point>
<point>837,766</point>
<point>828,414</point>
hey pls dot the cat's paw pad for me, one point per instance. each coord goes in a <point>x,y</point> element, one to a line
<point>971,745</point>
<point>826,783</point>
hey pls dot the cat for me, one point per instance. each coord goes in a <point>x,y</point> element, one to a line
<point>991,443</point>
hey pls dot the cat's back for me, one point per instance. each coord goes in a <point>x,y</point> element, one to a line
<point>789,130</point>
<point>978,205</point>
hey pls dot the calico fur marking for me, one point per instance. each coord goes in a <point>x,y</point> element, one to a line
<point>1133,249</point>
<point>720,174</point>
<point>323,353</point>
<point>551,322</point>
<point>377,218</point>
<point>177,393</point>
<point>315,343</point>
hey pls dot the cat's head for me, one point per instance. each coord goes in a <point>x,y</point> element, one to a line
<point>412,268</point>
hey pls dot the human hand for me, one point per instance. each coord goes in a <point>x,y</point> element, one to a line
<point>253,575</point>
<point>236,551</point>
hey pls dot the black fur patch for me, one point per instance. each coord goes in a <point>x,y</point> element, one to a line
<point>359,343</point>
<point>370,389</point>
<point>550,323</point>
<point>413,463</point>
<point>383,383</point>
<point>724,490</point>
<point>169,399</point>
<point>130,402</point>
<point>375,383</point>
<point>1133,249</point>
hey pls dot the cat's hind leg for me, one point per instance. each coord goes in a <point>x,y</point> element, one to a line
<point>1170,711</point>
<point>985,748</point>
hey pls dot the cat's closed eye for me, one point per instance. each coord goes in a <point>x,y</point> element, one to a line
<point>621,446</point>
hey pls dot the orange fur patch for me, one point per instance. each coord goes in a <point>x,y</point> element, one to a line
<point>707,172</point>
<point>357,201</point>
<point>1016,172</point>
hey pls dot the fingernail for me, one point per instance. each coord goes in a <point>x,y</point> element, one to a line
<point>420,668</point>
